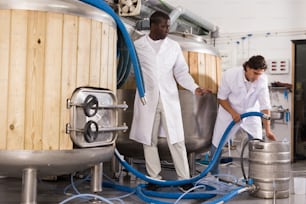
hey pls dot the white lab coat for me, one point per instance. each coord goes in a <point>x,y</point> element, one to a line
<point>160,72</point>
<point>257,98</point>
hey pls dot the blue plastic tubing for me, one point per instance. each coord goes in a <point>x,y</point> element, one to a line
<point>100,4</point>
<point>147,195</point>
<point>196,178</point>
<point>229,196</point>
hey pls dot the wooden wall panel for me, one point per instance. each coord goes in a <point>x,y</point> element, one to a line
<point>69,73</point>
<point>5,22</point>
<point>36,33</point>
<point>219,71</point>
<point>211,72</point>
<point>84,34</point>
<point>202,71</point>
<point>112,67</point>
<point>44,57</point>
<point>95,53</point>
<point>52,86</point>
<point>17,76</point>
<point>193,65</point>
<point>104,56</point>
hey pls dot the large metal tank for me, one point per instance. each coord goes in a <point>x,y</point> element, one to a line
<point>48,49</point>
<point>199,112</point>
<point>269,166</point>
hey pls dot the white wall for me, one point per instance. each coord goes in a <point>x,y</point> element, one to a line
<point>245,15</point>
<point>268,27</point>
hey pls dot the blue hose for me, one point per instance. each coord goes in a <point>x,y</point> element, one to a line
<point>100,4</point>
<point>211,191</point>
<point>176,195</point>
<point>147,199</point>
<point>124,63</point>
<point>228,196</point>
<point>196,178</point>
<point>118,187</point>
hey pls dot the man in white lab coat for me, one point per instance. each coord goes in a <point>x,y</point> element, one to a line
<point>243,89</point>
<point>162,65</point>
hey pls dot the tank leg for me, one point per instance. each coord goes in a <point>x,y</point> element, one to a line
<point>96,178</point>
<point>132,176</point>
<point>115,166</point>
<point>191,159</point>
<point>29,186</point>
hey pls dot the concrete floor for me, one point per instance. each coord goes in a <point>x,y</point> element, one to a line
<point>57,191</point>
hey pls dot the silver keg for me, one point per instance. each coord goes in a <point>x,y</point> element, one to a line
<point>269,166</point>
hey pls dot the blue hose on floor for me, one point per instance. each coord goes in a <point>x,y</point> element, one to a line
<point>146,195</point>
<point>203,173</point>
<point>228,196</point>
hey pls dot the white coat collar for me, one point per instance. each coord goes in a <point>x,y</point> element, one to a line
<point>243,80</point>
<point>162,46</point>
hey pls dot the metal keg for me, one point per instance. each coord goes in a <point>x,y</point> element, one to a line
<point>269,166</point>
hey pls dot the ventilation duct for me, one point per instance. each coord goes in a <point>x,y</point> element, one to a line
<point>182,20</point>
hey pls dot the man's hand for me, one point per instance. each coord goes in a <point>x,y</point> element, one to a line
<point>270,135</point>
<point>202,91</point>
<point>236,116</point>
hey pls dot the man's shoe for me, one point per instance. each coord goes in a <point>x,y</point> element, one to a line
<point>184,188</point>
<point>152,187</point>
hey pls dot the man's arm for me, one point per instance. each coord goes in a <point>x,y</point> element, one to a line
<point>266,124</point>
<point>227,106</point>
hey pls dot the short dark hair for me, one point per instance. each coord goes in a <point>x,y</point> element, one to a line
<point>256,62</point>
<point>158,16</point>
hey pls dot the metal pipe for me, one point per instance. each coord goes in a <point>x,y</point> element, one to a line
<point>192,164</point>
<point>96,178</point>
<point>29,186</point>
<point>174,15</point>
<point>184,13</point>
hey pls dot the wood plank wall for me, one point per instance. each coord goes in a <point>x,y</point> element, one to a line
<point>44,56</point>
<point>204,68</point>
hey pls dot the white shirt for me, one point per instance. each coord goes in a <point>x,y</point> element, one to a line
<point>154,43</point>
<point>242,99</point>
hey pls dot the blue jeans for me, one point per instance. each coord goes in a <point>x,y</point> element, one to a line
<point>215,169</point>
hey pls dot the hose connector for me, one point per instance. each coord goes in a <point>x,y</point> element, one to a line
<point>143,100</point>
<point>253,188</point>
<point>266,116</point>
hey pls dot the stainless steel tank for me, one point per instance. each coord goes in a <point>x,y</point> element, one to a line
<point>194,43</point>
<point>269,166</point>
<point>44,55</point>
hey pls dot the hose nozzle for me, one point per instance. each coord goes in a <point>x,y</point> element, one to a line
<point>143,100</point>
<point>267,117</point>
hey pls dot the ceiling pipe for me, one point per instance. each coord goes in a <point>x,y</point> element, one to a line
<point>176,12</point>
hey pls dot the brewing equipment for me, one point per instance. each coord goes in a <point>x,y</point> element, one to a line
<point>269,166</point>
<point>49,49</point>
